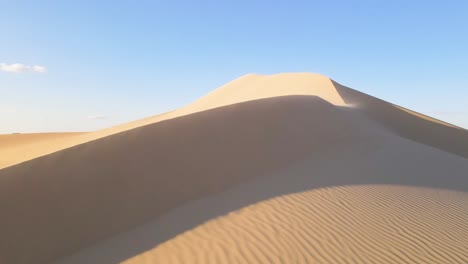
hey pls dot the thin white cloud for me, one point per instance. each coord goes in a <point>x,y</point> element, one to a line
<point>97,117</point>
<point>18,67</point>
<point>40,69</point>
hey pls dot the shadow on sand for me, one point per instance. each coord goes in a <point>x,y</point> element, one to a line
<point>408,124</point>
<point>76,197</point>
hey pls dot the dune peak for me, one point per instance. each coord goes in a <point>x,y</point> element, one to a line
<point>256,86</point>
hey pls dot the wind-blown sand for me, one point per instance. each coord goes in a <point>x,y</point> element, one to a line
<point>266,169</point>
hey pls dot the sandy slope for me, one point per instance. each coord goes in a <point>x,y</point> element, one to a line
<point>264,169</point>
<point>372,197</point>
<point>16,147</point>
<point>327,226</point>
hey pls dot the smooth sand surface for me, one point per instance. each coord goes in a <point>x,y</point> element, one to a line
<point>16,147</point>
<point>266,169</point>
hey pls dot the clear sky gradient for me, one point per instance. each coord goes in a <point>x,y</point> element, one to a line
<point>87,65</point>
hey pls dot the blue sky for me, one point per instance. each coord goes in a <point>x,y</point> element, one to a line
<point>109,62</point>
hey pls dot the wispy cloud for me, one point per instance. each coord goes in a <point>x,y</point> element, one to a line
<point>18,67</point>
<point>97,117</point>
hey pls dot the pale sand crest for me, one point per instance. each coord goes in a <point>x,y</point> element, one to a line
<point>266,169</point>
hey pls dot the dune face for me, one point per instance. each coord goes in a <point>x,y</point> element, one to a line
<point>266,169</point>
<point>409,124</point>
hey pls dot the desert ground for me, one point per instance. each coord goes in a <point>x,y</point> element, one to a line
<point>284,168</point>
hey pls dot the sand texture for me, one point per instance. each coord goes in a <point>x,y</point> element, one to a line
<point>287,168</point>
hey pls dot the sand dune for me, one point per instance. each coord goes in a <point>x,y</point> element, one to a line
<point>248,87</point>
<point>266,169</point>
<point>251,87</point>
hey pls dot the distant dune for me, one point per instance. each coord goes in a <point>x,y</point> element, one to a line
<point>287,168</point>
<point>17,147</point>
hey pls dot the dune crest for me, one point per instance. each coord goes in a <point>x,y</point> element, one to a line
<point>252,87</point>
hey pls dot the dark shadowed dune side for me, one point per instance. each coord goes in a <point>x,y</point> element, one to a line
<point>54,205</point>
<point>410,186</point>
<point>407,123</point>
<point>373,197</point>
